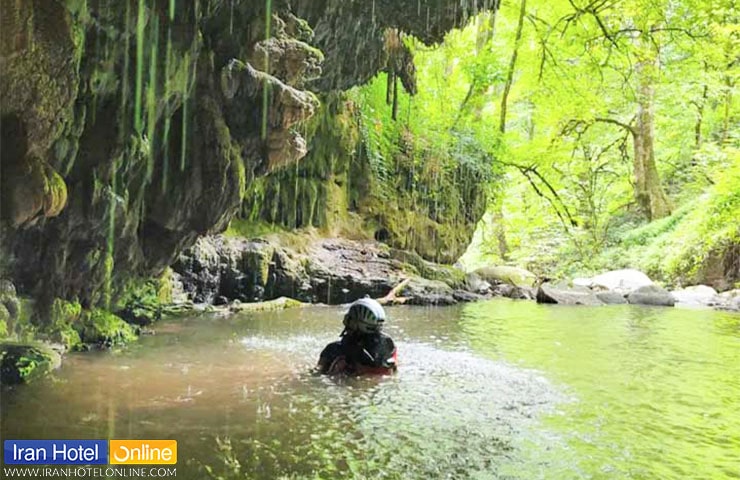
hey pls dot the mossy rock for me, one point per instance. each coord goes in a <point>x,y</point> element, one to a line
<point>141,302</point>
<point>141,313</point>
<point>164,286</point>
<point>67,336</point>
<point>23,363</point>
<point>280,303</point>
<point>63,315</point>
<point>65,312</point>
<point>9,300</point>
<point>104,329</point>
<point>6,288</point>
<point>452,276</point>
<point>4,317</point>
<point>256,260</point>
<point>504,274</point>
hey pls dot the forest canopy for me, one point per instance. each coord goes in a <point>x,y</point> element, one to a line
<point>608,131</point>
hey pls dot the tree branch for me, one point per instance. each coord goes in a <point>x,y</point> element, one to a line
<point>627,127</point>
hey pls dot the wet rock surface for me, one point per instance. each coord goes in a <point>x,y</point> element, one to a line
<point>222,269</point>
<point>697,295</point>
<point>505,274</point>
<point>651,295</point>
<point>622,281</point>
<point>611,298</point>
<point>729,300</point>
<point>566,295</point>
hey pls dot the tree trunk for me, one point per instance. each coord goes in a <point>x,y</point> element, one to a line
<point>499,230</point>
<point>648,191</point>
<point>700,116</point>
<point>512,67</point>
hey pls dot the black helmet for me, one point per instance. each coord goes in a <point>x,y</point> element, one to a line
<point>365,316</point>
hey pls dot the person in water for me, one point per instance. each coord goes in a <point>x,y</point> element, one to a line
<point>362,348</point>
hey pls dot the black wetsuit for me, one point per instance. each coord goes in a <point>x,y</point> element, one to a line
<point>359,353</point>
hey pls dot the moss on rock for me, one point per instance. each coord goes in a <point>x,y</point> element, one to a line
<point>64,314</point>
<point>104,329</point>
<point>4,317</point>
<point>23,363</point>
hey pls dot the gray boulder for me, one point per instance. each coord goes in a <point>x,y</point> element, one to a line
<point>421,291</point>
<point>697,295</point>
<point>622,281</point>
<point>523,293</point>
<point>474,283</point>
<point>611,298</point>
<point>729,300</point>
<point>564,295</point>
<point>504,274</point>
<point>651,295</point>
<point>466,296</point>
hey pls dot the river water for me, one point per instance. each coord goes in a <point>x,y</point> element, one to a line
<point>499,389</point>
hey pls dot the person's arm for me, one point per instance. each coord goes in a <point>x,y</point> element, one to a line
<point>378,352</point>
<point>390,353</point>
<point>331,360</point>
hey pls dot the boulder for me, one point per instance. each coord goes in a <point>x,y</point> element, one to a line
<point>697,295</point>
<point>466,296</point>
<point>428,292</point>
<point>523,293</point>
<point>4,318</point>
<point>504,274</point>
<point>622,281</point>
<point>651,295</point>
<point>221,269</point>
<point>503,290</point>
<point>582,282</point>
<point>103,329</point>
<point>564,295</point>
<point>23,363</point>
<point>474,283</point>
<point>611,298</point>
<point>9,299</point>
<point>729,300</point>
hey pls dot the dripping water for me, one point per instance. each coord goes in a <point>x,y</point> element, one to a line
<point>140,24</point>
<point>168,118</point>
<point>125,76</point>
<point>266,84</point>
<point>152,101</point>
<point>185,94</point>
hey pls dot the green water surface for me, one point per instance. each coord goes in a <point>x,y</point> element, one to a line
<point>500,389</point>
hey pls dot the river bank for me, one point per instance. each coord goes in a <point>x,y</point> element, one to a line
<point>220,270</point>
<point>229,274</point>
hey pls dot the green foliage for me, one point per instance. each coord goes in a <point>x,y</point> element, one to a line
<point>143,302</point>
<point>24,363</point>
<point>428,177</point>
<point>568,204</point>
<point>685,248</point>
<point>62,318</point>
<point>4,317</point>
<point>102,328</point>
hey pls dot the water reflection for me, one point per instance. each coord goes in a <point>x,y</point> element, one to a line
<point>500,389</point>
<point>652,386</point>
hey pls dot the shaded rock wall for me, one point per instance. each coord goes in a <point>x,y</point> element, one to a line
<point>220,269</point>
<point>130,128</point>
